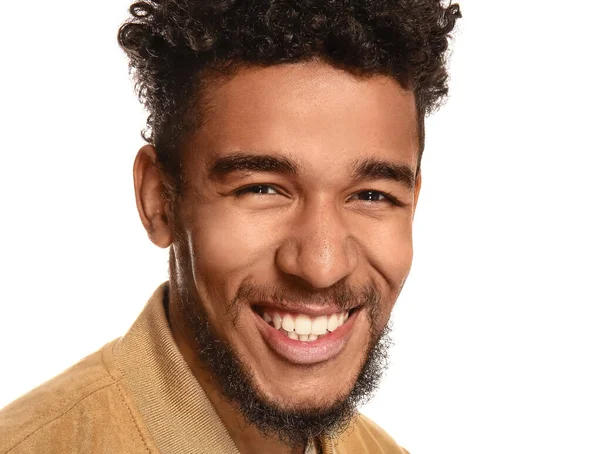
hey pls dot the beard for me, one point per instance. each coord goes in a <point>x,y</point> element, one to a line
<point>293,426</point>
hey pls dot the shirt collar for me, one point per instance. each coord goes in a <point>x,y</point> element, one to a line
<point>175,408</point>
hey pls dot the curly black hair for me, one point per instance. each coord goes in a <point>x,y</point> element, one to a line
<point>171,44</point>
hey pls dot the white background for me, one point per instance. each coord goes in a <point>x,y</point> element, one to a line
<point>498,329</point>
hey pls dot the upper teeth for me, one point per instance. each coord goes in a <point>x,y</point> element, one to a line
<point>303,327</point>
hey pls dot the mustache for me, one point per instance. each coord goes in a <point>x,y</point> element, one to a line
<point>342,294</point>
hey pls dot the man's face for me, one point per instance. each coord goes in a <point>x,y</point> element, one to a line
<point>284,216</point>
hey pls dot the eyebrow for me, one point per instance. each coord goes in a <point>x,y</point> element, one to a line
<point>249,162</point>
<point>362,169</point>
<point>378,169</point>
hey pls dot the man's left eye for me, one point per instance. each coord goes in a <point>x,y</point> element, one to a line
<point>374,196</point>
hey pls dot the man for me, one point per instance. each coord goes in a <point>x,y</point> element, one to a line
<point>283,171</point>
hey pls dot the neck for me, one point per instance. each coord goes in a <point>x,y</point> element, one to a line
<point>248,439</point>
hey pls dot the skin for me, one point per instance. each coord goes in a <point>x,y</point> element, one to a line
<point>308,231</point>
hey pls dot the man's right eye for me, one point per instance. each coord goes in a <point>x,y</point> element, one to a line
<point>257,189</point>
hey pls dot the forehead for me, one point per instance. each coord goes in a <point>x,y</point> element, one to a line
<point>311,111</point>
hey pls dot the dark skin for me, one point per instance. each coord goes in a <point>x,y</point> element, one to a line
<point>312,225</point>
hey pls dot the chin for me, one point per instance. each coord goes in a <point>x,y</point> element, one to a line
<point>309,394</point>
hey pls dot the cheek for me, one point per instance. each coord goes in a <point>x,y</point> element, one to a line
<point>388,246</point>
<point>226,247</point>
<point>232,241</point>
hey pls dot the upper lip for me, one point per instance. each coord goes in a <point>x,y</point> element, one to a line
<point>311,310</point>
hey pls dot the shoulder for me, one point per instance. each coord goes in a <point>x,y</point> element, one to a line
<point>83,403</point>
<point>365,436</point>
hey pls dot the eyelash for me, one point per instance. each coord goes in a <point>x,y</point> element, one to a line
<point>390,198</point>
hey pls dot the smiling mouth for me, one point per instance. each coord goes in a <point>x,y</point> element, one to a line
<point>303,327</point>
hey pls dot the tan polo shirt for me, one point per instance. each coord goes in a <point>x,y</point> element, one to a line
<point>138,395</point>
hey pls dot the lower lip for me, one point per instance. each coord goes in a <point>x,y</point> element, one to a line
<point>302,352</point>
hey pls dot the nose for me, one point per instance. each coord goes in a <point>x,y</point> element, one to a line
<point>320,248</point>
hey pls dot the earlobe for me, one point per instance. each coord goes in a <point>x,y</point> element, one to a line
<point>151,205</point>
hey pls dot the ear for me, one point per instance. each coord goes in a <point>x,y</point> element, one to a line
<point>417,191</point>
<point>151,204</point>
